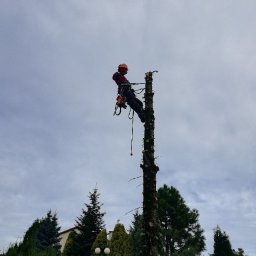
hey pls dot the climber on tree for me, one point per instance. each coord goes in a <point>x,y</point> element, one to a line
<point>126,93</point>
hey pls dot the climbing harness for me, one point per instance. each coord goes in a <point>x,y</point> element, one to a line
<point>121,100</point>
<point>120,103</point>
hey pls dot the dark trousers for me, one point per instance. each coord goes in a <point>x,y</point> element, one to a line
<point>134,102</point>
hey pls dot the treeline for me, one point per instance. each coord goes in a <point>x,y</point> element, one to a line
<point>41,239</point>
<point>180,235</point>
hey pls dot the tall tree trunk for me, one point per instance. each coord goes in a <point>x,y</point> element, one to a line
<point>151,222</point>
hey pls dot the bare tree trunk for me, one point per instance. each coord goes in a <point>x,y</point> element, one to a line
<point>151,222</point>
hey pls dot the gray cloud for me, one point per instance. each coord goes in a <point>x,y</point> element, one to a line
<point>59,138</point>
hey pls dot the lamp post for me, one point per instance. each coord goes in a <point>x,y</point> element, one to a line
<point>102,251</point>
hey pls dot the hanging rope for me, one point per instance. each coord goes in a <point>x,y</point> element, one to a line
<point>118,110</point>
<point>131,118</point>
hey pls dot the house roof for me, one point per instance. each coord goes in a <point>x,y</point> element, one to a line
<point>68,230</point>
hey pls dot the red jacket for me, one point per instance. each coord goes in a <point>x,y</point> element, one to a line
<point>121,81</point>
<point>119,78</point>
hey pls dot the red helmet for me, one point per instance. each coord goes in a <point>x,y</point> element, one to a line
<point>123,66</point>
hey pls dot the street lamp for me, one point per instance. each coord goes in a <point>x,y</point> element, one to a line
<point>106,250</point>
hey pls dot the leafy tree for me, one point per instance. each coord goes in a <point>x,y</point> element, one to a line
<point>181,231</point>
<point>186,252</point>
<point>120,243</point>
<point>89,225</point>
<point>136,232</point>
<point>101,241</point>
<point>222,245</point>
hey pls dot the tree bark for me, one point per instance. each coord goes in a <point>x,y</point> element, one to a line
<point>151,222</point>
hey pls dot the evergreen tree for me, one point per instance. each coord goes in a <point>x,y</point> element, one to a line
<point>239,252</point>
<point>70,244</point>
<point>13,250</point>
<point>48,234</point>
<point>136,232</point>
<point>128,245</point>
<point>181,231</point>
<point>89,225</point>
<point>120,243</point>
<point>222,245</point>
<point>29,243</point>
<point>41,239</point>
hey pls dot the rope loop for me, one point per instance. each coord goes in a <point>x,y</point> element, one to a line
<point>117,113</point>
<point>131,114</point>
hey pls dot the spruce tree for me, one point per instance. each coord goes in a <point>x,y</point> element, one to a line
<point>89,225</point>
<point>181,231</point>
<point>41,239</point>
<point>29,243</point>
<point>136,232</point>
<point>48,234</point>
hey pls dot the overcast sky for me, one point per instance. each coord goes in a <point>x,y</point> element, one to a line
<point>59,139</point>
